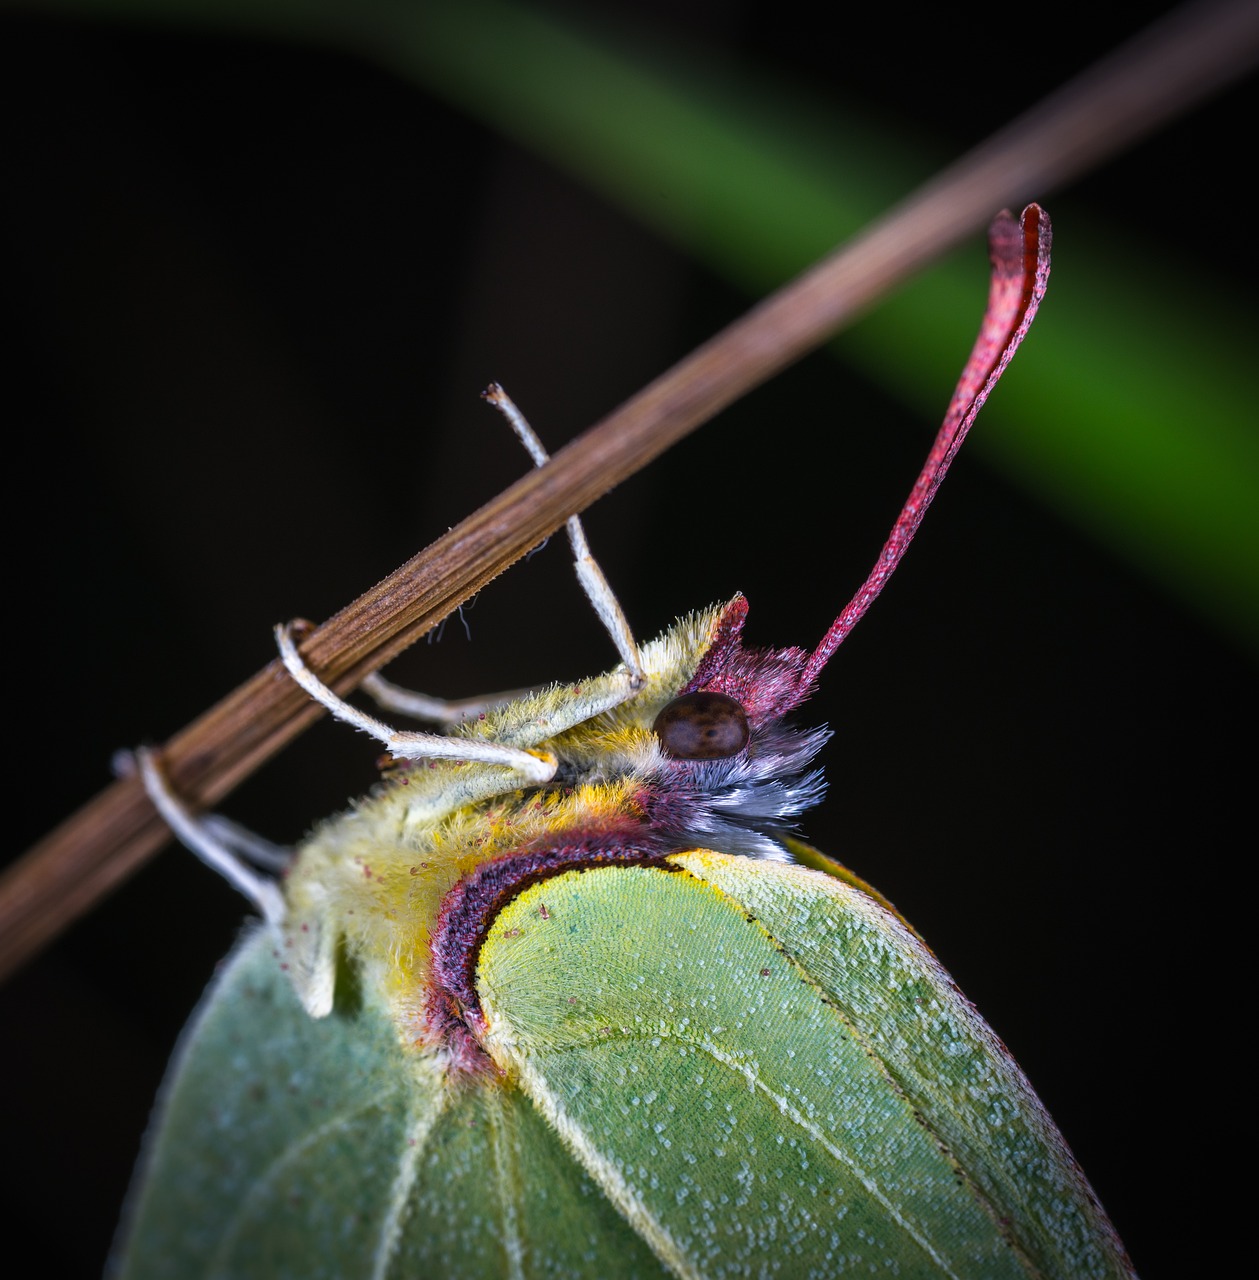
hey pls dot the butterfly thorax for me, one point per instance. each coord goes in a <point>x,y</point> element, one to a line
<point>404,881</point>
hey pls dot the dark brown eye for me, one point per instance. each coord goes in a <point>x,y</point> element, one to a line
<point>702,726</point>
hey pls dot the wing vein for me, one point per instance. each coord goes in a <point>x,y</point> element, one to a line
<point>419,1126</point>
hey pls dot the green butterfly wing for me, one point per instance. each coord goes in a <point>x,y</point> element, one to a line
<point>286,1146</point>
<point>738,1068</point>
<point>769,1073</point>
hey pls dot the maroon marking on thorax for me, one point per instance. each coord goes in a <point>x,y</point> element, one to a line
<point>469,910</point>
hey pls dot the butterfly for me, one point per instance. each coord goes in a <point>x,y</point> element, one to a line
<point>567,995</point>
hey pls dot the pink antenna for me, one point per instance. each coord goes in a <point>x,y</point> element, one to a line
<point>1020,270</point>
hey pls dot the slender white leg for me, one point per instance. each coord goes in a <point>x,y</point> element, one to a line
<point>597,588</point>
<point>248,845</point>
<point>205,839</point>
<point>407,745</point>
<point>421,706</point>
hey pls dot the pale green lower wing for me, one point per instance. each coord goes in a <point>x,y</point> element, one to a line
<point>286,1146</point>
<point>736,1067</point>
<point>769,1074</point>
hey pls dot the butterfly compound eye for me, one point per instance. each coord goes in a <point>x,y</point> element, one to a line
<point>702,726</point>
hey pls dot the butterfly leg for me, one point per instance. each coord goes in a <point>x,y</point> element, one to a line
<point>248,845</point>
<point>533,768</point>
<point>422,706</point>
<point>597,588</point>
<point>218,842</point>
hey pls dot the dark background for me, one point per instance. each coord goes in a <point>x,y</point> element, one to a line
<point>253,293</point>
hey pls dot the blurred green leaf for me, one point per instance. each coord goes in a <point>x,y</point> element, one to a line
<point>1131,413</point>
